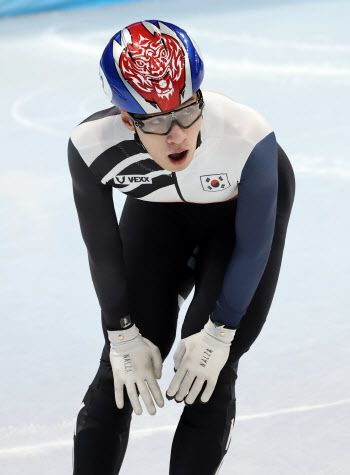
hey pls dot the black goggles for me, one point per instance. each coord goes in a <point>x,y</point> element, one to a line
<point>161,124</point>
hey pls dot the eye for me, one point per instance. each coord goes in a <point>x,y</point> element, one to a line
<point>187,112</point>
<point>140,63</point>
<point>157,121</point>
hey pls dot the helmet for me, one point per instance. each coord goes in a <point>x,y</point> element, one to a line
<point>151,66</point>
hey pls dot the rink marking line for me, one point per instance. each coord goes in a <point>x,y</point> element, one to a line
<point>71,44</point>
<point>246,39</point>
<point>320,165</point>
<point>323,171</point>
<point>265,42</point>
<point>243,38</point>
<point>35,448</point>
<point>243,66</point>
<point>25,121</point>
<point>292,69</point>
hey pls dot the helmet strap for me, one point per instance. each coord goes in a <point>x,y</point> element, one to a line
<point>138,140</point>
<point>199,140</point>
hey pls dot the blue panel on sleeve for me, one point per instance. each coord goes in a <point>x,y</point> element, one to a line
<point>254,225</point>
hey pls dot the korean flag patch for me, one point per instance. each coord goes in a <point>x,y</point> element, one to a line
<point>215,182</point>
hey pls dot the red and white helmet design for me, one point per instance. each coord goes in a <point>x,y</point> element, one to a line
<point>154,66</point>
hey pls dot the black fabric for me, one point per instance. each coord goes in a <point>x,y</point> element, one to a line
<point>202,436</point>
<point>100,231</point>
<point>102,430</point>
<point>158,240</point>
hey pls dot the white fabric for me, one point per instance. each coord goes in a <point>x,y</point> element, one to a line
<point>136,362</point>
<point>199,358</point>
<point>118,336</point>
<point>96,136</point>
<point>219,332</point>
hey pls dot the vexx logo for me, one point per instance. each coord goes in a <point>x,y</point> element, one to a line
<point>131,179</point>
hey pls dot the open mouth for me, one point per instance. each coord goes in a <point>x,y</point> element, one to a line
<point>178,157</point>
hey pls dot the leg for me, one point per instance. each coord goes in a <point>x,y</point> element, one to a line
<point>204,431</point>
<point>210,266</point>
<point>203,434</point>
<point>154,274</point>
<point>101,434</point>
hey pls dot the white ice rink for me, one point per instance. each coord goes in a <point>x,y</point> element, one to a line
<point>291,62</point>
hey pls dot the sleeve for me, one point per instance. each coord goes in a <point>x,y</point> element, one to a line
<point>100,232</point>
<point>254,226</point>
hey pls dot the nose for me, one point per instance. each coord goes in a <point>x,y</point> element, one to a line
<point>177,134</point>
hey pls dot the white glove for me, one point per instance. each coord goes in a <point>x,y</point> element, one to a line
<point>135,360</point>
<point>199,358</point>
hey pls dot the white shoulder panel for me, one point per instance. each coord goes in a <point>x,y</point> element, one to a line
<point>235,119</point>
<point>94,137</point>
<point>229,133</point>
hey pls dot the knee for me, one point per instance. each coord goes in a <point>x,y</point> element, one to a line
<point>99,410</point>
<point>217,414</point>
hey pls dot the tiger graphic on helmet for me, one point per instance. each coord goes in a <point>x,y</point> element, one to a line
<point>155,67</point>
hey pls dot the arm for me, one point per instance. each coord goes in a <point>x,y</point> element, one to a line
<point>135,360</point>
<point>255,223</point>
<point>100,232</point>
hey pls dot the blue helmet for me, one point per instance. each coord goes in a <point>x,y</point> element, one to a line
<point>151,66</point>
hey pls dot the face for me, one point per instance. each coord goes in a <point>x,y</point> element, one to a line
<point>177,140</point>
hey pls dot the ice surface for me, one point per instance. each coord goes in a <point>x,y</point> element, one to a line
<point>288,60</point>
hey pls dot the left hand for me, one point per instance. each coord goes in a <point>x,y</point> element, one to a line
<point>199,358</point>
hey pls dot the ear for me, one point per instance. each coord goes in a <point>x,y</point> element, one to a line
<point>126,120</point>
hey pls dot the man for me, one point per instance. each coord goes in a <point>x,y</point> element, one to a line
<point>209,195</point>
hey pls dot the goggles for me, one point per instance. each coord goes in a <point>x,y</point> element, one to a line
<point>161,124</point>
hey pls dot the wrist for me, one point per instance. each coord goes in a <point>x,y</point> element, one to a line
<point>117,337</point>
<point>218,331</point>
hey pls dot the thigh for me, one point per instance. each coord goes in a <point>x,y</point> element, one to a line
<point>213,257</point>
<point>156,251</point>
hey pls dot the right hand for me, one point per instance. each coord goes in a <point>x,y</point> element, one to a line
<point>135,361</point>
